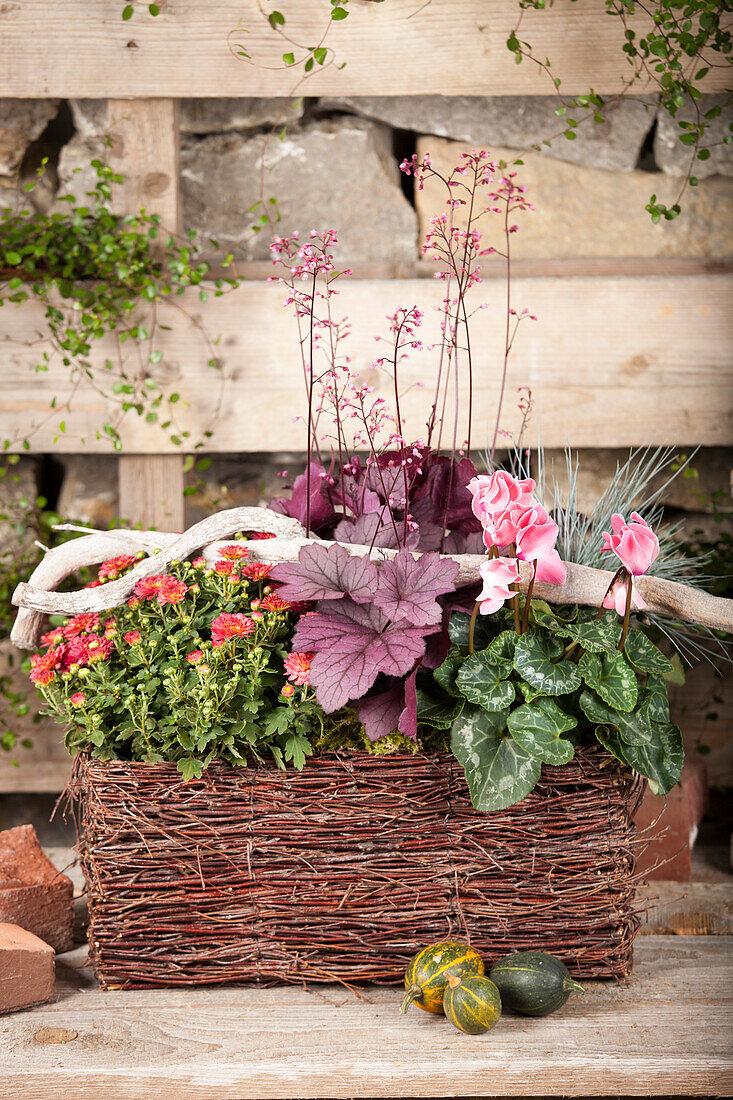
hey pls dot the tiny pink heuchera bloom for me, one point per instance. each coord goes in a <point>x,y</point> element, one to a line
<point>634,543</point>
<point>615,598</point>
<point>298,668</point>
<point>497,574</point>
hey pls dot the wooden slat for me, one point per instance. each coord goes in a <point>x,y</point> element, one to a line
<point>145,150</point>
<point>666,1032</point>
<point>405,47</point>
<point>611,362</point>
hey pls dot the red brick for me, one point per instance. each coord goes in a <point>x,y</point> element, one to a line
<point>26,969</point>
<point>33,893</point>
<point>668,826</point>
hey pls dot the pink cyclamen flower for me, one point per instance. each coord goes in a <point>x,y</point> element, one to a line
<point>498,492</point>
<point>227,626</point>
<point>551,569</point>
<point>497,574</point>
<point>615,598</point>
<point>195,657</point>
<point>298,668</point>
<point>133,637</point>
<point>78,699</point>
<point>536,534</point>
<point>634,543</point>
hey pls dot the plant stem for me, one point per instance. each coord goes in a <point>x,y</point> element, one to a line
<point>627,613</point>
<point>525,619</point>
<point>472,625</point>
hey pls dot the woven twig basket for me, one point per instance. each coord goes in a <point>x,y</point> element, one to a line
<point>341,872</point>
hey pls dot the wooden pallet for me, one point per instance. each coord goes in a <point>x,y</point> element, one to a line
<point>666,1032</point>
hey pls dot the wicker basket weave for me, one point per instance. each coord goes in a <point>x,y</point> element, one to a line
<point>341,872</point>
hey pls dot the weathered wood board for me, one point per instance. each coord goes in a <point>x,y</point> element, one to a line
<point>666,1032</point>
<point>72,48</point>
<point>611,361</point>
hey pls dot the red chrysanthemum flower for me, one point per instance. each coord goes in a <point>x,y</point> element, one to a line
<point>227,626</point>
<point>76,652</point>
<point>199,562</point>
<point>93,584</point>
<point>78,699</point>
<point>195,657</point>
<point>54,637</point>
<point>44,665</point>
<point>235,552</point>
<point>132,637</point>
<point>256,536</point>
<point>273,602</point>
<point>225,568</point>
<point>172,590</point>
<point>114,567</point>
<point>99,649</point>
<point>81,624</point>
<point>148,587</point>
<point>298,668</point>
<point>257,571</point>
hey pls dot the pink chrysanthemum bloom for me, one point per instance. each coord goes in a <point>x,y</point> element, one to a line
<point>78,699</point>
<point>227,626</point>
<point>298,668</point>
<point>224,568</point>
<point>235,552</point>
<point>54,637</point>
<point>199,562</point>
<point>195,657</point>
<point>288,690</point>
<point>133,637</point>
<point>44,665</point>
<point>256,536</point>
<point>172,590</point>
<point>81,624</point>
<point>111,569</point>
<point>99,649</point>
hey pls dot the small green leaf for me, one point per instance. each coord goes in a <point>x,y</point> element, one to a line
<point>660,761</point>
<point>634,728</point>
<point>498,771</point>
<point>276,19</point>
<point>447,673</point>
<point>535,660</point>
<point>338,14</point>
<point>127,14</point>
<point>612,677</point>
<point>596,636</point>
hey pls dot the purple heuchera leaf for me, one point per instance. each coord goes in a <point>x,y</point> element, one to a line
<point>352,645</point>
<point>408,587</point>
<point>327,573</point>
<point>321,510</point>
<point>370,530</point>
<point>390,710</point>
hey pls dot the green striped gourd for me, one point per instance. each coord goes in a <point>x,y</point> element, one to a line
<point>472,1004</point>
<point>428,972</point>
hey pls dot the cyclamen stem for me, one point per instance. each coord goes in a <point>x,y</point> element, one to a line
<point>525,619</point>
<point>472,626</point>
<point>627,613</point>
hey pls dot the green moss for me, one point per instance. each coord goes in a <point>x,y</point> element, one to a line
<point>343,730</point>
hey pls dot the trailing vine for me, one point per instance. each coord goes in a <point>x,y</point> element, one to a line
<point>685,40</point>
<point>101,275</point>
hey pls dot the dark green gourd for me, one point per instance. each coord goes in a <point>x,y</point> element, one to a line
<point>533,982</point>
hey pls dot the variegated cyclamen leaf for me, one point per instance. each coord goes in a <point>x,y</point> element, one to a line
<point>408,588</point>
<point>656,698</point>
<point>483,632</point>
<point>538,727</point>
<point>498,772</point>
<point>482,680</point>
<point>611,676</point>
<point>597,636</point>
<point>660,761</point>
<point>535,659</point>
<point>436,708</point>
<point>504,646</point>
<point>447,673</point>
<point>327,573</point>
<point>635,728</point>
<point>352,645</point>
<point>643,654</point>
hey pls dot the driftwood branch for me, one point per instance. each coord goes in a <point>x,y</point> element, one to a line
<point>37,598</point>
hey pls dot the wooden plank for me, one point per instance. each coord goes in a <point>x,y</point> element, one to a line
<point>145,149</point>
<point>405,47</point>
<point>151,491</point>
<point>665,1032</point>
<point>611,361</point>
<point>686,908</point>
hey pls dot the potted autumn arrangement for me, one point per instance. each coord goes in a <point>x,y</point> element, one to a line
<point>409,729</point>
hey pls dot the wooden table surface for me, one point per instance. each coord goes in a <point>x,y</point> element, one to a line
<point>668,1031</point>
